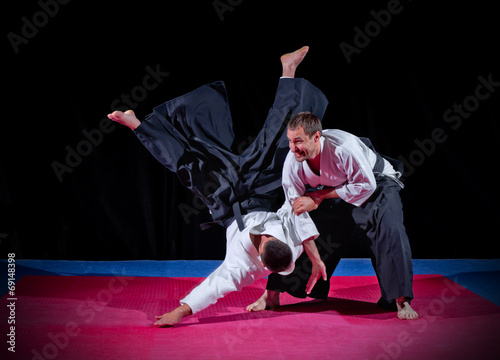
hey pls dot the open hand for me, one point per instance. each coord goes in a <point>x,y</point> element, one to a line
<point>318,270</point>
<point>173,317</point>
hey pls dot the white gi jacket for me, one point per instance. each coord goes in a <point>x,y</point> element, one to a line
<point>242,264</point>
<point>346,165</point>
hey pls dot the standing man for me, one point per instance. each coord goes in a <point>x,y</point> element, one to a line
<point>360,187</point>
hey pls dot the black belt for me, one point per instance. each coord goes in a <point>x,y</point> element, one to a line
<point>239,211</point>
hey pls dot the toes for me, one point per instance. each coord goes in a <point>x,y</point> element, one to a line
<point>115,115</point>
<point>408,316</point>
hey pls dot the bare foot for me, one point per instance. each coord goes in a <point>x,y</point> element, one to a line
<point>291,60</point>
<point>126,118</point>
<point>173,317</point>
<point>405,312</point>
<point>269,300</point>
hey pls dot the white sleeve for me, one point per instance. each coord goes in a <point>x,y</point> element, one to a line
<point>237,270</point>
<point>222,281</point>
<point>293,187</point>
<point>360,183</point>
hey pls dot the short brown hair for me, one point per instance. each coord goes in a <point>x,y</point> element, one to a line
<point>276,256</point>
<point>309,122</point>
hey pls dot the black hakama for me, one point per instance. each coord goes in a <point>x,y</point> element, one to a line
<point>192,136</point>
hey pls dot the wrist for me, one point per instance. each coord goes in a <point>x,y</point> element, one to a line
<point>184,310</point>
<point>317,197</point>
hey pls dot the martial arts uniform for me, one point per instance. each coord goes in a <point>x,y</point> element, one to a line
<point>242,264</point>
<point>368,187</point>
<point>192,136</point>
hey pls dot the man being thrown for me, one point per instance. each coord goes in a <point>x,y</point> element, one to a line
<point>343,179</point>
<point>192,136</point>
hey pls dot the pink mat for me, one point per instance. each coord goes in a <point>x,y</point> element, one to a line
<point>59,317</point>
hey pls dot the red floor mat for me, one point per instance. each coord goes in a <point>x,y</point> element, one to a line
<point>59,317</point>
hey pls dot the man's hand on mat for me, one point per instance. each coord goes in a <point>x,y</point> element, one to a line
<point>173,317</point>
<point>318,271</point>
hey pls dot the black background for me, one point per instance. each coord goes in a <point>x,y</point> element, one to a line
<point>119,203</point>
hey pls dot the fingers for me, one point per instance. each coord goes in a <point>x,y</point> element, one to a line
<point>161,324</point>
<point>310,284</point>
<point>313,279</point>
<point>297,208</point>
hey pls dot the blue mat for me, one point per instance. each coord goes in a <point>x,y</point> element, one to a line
<point>480,276</point>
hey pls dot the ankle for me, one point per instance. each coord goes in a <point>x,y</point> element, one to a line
<point>288,72</point>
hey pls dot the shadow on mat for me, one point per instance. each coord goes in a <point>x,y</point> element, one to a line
<point>331,306</point>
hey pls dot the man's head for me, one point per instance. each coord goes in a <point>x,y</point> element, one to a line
<point>275,254</point>
<point>304,133</point>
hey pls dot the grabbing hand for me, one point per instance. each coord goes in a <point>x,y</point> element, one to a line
<point>303,204</point>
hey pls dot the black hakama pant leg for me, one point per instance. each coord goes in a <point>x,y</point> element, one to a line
<point>333,219</point>
<point>381,217</point>
<point>261,164</point>
<point>191,136</point>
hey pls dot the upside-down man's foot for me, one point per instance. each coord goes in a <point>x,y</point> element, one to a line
<point>291,60</point>
<point>126,118</point>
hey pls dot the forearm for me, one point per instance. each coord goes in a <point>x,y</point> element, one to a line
<point>312,200</point>
<point>319,195</point>
<point>312,251</point>
<point>184,310</point>
<point>318,268</point>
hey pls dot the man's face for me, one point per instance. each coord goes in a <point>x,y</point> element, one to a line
<point>303,146</point>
